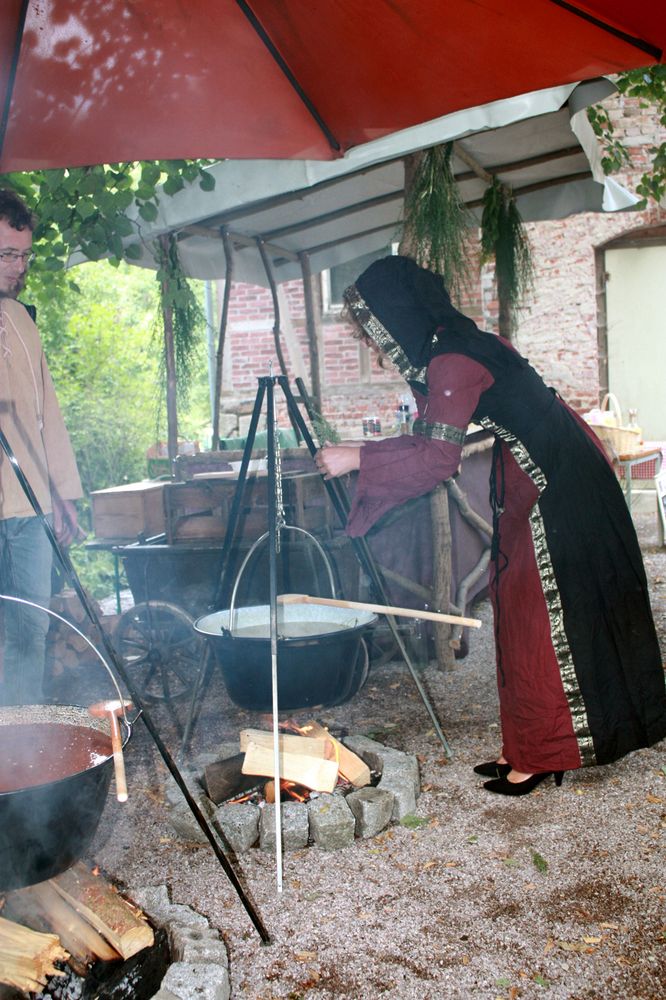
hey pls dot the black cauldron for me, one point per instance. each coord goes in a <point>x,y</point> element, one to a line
<point>321,656</point>
<point>45,828</point>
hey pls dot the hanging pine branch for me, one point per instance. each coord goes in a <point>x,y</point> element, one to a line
<point>178,295</point>
<point>437,224</point>
<point>504,240</point>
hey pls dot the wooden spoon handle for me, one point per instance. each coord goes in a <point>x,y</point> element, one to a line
<point>118,759</point>
<point>381,609</point>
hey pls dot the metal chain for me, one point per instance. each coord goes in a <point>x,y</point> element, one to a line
<point>279,501</point>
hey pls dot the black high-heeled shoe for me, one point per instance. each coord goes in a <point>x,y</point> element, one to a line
<point>493,769</point>
<point>502,786</point>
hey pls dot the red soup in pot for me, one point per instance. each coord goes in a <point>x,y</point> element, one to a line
<point>36,753</point>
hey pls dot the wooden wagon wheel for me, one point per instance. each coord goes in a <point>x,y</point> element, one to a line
<point>160,649</point>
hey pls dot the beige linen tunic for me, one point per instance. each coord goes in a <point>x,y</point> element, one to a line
<point>31,420</point>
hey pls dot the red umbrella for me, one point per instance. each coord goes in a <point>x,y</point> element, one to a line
<point>111,80</point>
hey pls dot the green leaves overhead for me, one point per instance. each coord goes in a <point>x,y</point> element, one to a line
<point>84,208</point>
<point>649,86</point>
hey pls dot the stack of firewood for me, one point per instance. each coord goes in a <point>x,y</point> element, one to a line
<point>77,917</point>
<point>66,649</point>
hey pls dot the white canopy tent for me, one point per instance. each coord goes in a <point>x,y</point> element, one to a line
<point>541,145</point>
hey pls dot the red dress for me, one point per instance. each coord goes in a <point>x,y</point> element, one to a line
<point>578,664</point>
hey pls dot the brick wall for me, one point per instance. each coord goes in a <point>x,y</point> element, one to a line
<point>556,328</point>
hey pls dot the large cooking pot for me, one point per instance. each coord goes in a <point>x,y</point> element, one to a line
<point>45,828</point>
<point>321,656</point>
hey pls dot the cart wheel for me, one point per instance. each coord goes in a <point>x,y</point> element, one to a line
<point>161,650</point>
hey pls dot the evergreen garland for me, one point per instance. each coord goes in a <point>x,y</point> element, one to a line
<point>504,239</point>
<point>437,224</point>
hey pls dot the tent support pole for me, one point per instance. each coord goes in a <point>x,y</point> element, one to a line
<point>312,327</point>
<point>224,321</point>
<point>170,364</point>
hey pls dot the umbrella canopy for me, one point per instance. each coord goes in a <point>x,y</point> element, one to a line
<point>541,145</point>
<point>112,80</point>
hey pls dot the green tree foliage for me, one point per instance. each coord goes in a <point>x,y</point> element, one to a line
<point>99,344</point>
<point>649,86</point>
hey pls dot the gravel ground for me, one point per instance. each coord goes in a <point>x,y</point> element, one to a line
<point>560,894</point>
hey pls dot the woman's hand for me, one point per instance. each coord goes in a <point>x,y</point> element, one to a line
<point>337,460</point>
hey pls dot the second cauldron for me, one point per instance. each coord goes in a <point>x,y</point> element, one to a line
<point>321,656</point>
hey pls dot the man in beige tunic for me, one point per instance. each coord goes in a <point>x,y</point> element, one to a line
<point>32,423</point>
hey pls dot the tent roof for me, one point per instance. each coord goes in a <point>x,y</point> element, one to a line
<point>337,211</point>
<point>103,81</point>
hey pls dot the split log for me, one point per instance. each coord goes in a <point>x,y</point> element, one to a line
<point>27,957</point>
<point>43,908</point>
<point>223,779</point>
<point>288,743</point>
<point>312,771</point>
<point>123,925</point>
<point>350,764</point>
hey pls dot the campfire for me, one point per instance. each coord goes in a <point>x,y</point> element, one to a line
<point>311,761</point>
<point>333,790</point>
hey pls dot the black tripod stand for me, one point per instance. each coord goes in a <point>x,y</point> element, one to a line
<point>340,500</point>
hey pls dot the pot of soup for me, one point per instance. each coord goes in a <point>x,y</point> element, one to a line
<point>55,768</point>
<point>322,658</point>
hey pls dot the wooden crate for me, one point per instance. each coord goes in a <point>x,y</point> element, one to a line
<point>129,511</point>
<point>200,508</point>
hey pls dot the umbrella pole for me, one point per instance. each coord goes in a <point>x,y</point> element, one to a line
<point>274,517</point>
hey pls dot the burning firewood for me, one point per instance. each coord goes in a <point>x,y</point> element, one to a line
<point>302,760</point>
<point>124,927</point>
<point>224,779</point>
<point>43,908</point>
<point>350,764</point>
<point>27,957</point>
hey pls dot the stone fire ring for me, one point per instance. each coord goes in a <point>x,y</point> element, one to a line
<point>329,821</point>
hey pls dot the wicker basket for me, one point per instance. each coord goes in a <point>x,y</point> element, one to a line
<point>620,440</point>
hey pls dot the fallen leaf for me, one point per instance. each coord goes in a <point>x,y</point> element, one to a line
<point>539,862</point>
<point>305,956</point>
<point>573,946</point>
<point>473,839</point>
<point>550,944</point>
<point>589,939</point>
<point>607,925</point>
<point>428,864</point>
<point>452,864</point>
<point>654,798</point>
<point>542,981</point>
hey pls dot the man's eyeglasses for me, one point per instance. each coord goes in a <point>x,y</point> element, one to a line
<point>13,256</point>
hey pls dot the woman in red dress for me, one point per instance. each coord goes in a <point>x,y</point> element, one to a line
<point>579,668</point>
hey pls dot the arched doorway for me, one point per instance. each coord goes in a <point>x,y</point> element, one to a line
<point>631,310</point>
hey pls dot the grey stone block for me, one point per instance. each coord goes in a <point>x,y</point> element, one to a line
<point>185,916</point>
<point>295,826</point>
<point>332,823</point>
<point>196,945</point>
<point>153,900</point>
<point>401,767</point>
<point>404,797</point>
<point>184,823</point>
<point>195,981</point>
<point>239,824</point>
<point>373,753</point>
<point>172,791</point>
<point>372,809</point>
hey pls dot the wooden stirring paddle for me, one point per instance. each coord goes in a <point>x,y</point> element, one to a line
<point>113,709</point>
<point>380,609</point>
